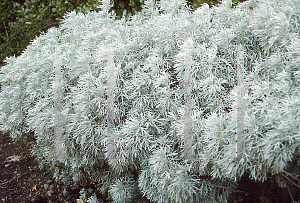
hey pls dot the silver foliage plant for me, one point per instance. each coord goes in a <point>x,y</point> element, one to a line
<point>149,103</point>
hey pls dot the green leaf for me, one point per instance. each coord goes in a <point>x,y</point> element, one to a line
<point>132,4</point>
<point>122,4</point>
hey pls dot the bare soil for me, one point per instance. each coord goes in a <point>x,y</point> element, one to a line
<point>23,181</point>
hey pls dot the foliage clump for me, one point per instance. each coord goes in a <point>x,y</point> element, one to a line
<point>149,57</point>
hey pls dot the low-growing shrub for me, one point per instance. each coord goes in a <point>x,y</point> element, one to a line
<point>164,65</point>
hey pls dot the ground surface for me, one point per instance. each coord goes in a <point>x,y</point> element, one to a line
<point>24,181</point>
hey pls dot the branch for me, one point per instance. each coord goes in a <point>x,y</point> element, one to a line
<point>290,194</point>
<point>229,188</point>
<point>44,10</point>
<point>291,176</point>
<point>289,180</point>
<point>5,30</point>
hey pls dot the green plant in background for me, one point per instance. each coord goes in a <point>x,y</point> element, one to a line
<point>22,21</point>
<point>149,104</point>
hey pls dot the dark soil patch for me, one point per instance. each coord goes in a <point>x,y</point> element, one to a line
<point>24,181</point>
